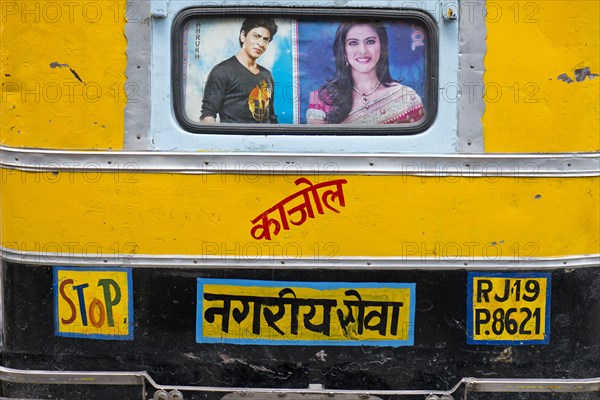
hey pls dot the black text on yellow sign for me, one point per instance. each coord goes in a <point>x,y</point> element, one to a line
<point>508,308</point>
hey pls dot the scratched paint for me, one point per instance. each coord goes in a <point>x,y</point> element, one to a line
<point>533,50</point>
<point>581,75</point>
<point>63,71</point>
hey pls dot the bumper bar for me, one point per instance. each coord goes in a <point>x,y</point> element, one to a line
<point>141,378</point>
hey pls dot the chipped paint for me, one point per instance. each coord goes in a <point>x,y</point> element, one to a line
<point>47,107</point>
<point>58,65</point>
<point>581,75</point>
<point>505,357</point>
<point>533,51</point>
<point>258,368</point>
<point>564,78</point>
<point>321,355</point>
<point>76,75</point>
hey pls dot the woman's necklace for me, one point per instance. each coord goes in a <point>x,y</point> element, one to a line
<point>365,96</point>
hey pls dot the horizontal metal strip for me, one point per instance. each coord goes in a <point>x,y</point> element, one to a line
<point>532,385</point>
<point>471,165</point>
<point>392,263</point>
<point>14,398</point>
<point>138,378</point>
<point>72,378</point>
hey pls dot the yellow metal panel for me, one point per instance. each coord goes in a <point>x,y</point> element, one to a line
<point>63,72</point>
<point>436,217</point>
<point>529,45</point>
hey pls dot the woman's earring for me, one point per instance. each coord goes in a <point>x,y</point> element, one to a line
<point>347,63</point>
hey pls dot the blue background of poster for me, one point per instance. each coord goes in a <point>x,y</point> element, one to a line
<point>317,64</point>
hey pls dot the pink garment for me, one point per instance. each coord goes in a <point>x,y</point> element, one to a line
<point>401,106</point>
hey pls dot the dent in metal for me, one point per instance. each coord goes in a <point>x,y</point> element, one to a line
<point>471,51</point>
<point>138,86</point>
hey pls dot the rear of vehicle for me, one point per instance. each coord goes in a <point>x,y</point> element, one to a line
<point>146,254</point>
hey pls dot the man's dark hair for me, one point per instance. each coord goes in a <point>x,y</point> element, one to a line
<point>251,23</point>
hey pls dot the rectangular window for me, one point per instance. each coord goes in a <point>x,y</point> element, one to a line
<point>305,71</point>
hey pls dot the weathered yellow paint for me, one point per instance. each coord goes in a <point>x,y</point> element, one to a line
<point>529,44</point>
<point>43,45</point>
<point>436,217</point>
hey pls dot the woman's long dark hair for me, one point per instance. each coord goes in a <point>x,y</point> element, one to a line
<point>337,92</point>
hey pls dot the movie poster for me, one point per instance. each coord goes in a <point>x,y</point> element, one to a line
<point>304,71</point>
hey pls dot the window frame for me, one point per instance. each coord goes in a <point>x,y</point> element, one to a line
<point>431,83</point>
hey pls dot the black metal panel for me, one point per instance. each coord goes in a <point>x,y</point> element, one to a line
<point>164,338</point>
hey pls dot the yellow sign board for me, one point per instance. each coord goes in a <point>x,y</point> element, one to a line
<point>93,303</point>
<point>508,308</point>
<point>305,313</point>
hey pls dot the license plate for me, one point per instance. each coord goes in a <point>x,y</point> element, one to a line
<point>508,308</point>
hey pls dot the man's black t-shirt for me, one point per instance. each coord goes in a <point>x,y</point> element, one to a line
<point>237,95</point>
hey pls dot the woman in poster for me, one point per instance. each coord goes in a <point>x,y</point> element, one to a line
<point>363,91</point>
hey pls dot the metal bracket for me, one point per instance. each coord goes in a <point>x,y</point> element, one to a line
<point>159,8</point>
<point>450,10</point>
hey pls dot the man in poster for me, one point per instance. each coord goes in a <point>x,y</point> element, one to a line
<point>238,89</point>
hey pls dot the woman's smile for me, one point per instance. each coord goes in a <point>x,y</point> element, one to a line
<point>363,48</point>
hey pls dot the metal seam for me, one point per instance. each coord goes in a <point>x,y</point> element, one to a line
<point>471,105</point>
<point>206,261</point>
<point>527,165</point>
